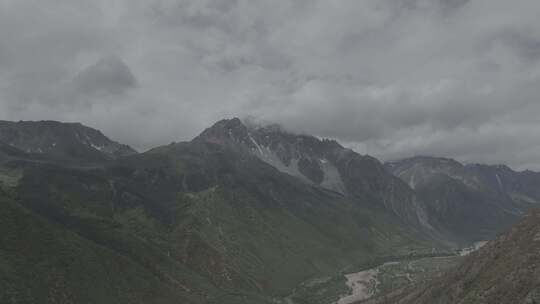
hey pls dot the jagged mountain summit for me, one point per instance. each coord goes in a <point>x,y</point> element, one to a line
<point>61,141</point>
<point>302,156</point>
<point>323,163</point>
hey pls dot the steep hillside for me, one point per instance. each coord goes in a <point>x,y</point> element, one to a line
<point>42,262</point>
<point>7,151</point>
<point>521,187</point>
<point>473,201</point>
<point>60,141</point>
<point>70,236</point>
<point>208,221</point>
<point>325,164</point>
<point>505,271</point>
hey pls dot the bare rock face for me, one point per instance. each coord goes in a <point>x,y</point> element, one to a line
<point>302,156</point>
<point>323,163</point>
<point>313,160</point>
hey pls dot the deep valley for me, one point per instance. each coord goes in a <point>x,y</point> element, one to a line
<point>240,214</point>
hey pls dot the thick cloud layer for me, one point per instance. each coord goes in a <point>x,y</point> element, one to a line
<point>392,78</point>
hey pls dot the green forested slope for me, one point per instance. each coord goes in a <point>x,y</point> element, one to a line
<point>187,223</point>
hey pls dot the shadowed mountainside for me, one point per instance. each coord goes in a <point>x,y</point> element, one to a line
<point>473,201</point>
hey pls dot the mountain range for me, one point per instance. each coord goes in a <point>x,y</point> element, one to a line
<point>60,141</point>
<point>474,201</point>
<point>239,214</point>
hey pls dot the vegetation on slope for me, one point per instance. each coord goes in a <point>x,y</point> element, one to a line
<point>506,270</point>
<point>193,222</point>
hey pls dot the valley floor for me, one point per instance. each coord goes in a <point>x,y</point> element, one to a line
<point>393,275</point>
<point>388,275</point>
<point>363,285</point>
<point>396,274</point>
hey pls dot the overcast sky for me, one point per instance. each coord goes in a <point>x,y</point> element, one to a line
<point>392,78</point>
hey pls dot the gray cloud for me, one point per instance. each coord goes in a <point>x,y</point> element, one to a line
<point>456,78</point>
<point>108,76</point>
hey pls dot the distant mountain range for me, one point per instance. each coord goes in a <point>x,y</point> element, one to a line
<point>60,141</point>
<point>474,201</point>
<point>240,214</point>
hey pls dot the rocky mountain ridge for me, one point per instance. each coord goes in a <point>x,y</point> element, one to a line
<point>475,200</point>
<point>323,163</point>
<point>240,213</point>
<point>56,140</point>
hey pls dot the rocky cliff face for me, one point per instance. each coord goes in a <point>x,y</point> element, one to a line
<point>302,156</point>
<point>323,163</point>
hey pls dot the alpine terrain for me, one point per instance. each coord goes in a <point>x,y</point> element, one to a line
<point>240,214</point>
<point>474,201</point>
